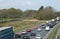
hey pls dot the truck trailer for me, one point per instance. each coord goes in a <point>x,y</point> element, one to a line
<point>6,32</point>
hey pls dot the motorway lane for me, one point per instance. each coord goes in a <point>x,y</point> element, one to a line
<point>58,37</point>
<point>42,33</point>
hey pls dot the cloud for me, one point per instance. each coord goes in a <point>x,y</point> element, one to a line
<point>15,3</point>
<point>27,3</point>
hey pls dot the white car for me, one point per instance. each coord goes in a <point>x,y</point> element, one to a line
<point>24,32</point>
<point>57,18</point>
<point>38,37</point>
<point>47,21</point>
<point>47,28</point>
<point>38,29</point>
<point>53,19</point>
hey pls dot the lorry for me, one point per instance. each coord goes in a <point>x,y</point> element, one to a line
<point>6,32</point>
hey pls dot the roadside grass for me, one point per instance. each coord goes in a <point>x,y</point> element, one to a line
<point>54,32</point>
<point>22,25</point>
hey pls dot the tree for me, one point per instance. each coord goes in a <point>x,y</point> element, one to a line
<point>42,7</point>
<point>29,13</point>
<point>46,13</point>
<point>10,13</point>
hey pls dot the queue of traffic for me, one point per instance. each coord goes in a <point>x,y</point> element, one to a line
<point>36,33</point>
<point>31,34</point>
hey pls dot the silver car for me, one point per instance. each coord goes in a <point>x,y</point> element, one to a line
<point>38,37</point>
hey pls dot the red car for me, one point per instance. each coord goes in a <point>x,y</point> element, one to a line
<point>28,30</point>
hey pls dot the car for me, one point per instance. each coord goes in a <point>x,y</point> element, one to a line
<point>38,29</point>
<point>47,21</point>
<point>53,20</point>
<point>44,26</point>
<point>57,18</point>
<point>32,34</point>
<point>51,24</point>
<point>28,30</point>
<point>18,35</point>
<point>24,32</point>
<point>38,37</point>
<point>25,37</point>
<point>47,28</point>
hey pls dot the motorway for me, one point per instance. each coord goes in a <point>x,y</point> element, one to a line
<point>43,32</point>
<point>58,37</point>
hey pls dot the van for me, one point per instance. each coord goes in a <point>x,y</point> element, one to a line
<point>47,28</point>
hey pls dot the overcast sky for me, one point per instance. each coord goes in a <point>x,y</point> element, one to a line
<point>29,4</point>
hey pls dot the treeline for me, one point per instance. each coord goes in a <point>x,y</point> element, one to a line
<point>10,13</point>
<point>43,13</point>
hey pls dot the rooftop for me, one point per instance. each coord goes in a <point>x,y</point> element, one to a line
<point>2,28</point>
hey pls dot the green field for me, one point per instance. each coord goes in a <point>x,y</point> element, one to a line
<point>21,25</point>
